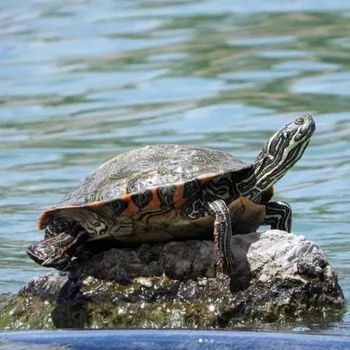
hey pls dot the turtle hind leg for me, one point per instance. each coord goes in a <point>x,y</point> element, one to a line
<point>278,215</point>
<point>222,233</point>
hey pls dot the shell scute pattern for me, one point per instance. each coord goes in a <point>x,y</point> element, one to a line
<point>118,206</point>
<point>166,195</point>
<point>142,199</point>
<point>150,166</point>
<point>191,187</point>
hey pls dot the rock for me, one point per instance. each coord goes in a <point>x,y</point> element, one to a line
<point>178,260</point>
<point>279,278</point>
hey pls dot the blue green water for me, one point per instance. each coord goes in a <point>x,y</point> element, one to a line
<point>81,81</point>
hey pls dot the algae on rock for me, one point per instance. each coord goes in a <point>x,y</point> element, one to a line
<point>280,278</point>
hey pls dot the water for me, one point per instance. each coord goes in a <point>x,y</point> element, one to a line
<point>166,339</point>
<point>81,81</point>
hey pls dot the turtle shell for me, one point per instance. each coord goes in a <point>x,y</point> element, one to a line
<point>153,194</point>
<point>148,195</point>
<point>149,167</point>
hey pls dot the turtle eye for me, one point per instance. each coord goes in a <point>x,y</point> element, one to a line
<point>299,121</point>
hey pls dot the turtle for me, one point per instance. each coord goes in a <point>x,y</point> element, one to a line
<point>167,192</point>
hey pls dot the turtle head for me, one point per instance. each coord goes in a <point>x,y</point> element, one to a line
<point>282,151</point>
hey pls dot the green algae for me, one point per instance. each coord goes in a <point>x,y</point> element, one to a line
<point>161,302</point>
<point>23,313</point>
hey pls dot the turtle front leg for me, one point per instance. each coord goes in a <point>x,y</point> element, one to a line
<point>222,233</point>
<point>278,215</point>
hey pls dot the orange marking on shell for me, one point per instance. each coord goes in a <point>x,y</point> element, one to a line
<point>179,199</point>
<point>43,220</point>
<point>46,215</point>
<point>155,202</point>
<point>95,204</point>
<point>126,197</point>
<point>132,208</point>
<point>206,178</point>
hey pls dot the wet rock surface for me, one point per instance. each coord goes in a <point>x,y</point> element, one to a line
<point>279,278</point>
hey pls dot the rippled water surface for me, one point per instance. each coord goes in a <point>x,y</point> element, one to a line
<point>81,81</point>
